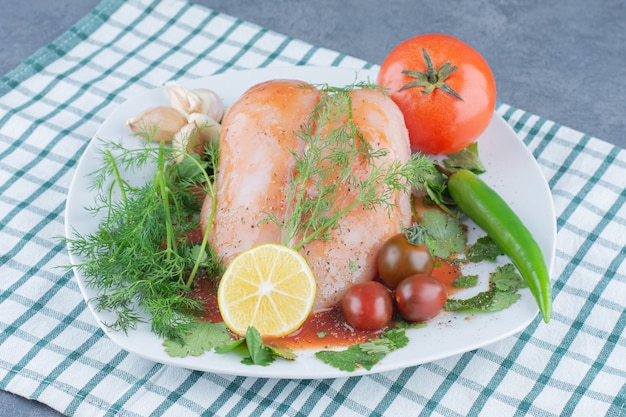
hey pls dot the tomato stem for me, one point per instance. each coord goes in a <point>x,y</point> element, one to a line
<point>433,78</point>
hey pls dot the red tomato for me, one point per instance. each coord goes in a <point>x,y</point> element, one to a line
<point>420,297</point>
<point>440,120</point>
<point>398,259</point>
<point>367,306</point>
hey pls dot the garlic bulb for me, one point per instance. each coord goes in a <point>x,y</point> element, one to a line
<point>199,100</point>
<point>212,104</point>
<point>183,100</point>
<point>208,128</point>
<point>188,140</point>
<point>157,123</point>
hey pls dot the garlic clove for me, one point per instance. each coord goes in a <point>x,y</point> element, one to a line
<point>157,123</point>
<point>183,100</point>
<point>208,128</point>
<point>187,140</point>
<point>212,104</point>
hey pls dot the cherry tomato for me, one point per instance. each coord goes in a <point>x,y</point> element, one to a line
<point>398,259</point>
<point>420,297</point>
<point>367,306</point>
<point>446,104</point>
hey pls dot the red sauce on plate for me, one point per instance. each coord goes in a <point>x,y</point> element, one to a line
<point>322,329</point>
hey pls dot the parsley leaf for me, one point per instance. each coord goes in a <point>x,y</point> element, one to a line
<point>479,303</point>
<point>502,293</point>
<point>253,349</point>
<point>444,234</point>
<point>367,354</point>
<point>349,359</point>
<point>466,159</point>
<point>259,353</point>
<point>484,249</point>
<point>396,337</point>
<point>506,278</point>
<point>200,337</point>
<point>465,281</point>
<point>502,300</point>
<point>237,345</point>
<point>400,323</point>
<point>436,186</point>
<point>204,336</point>
<point>283,353</point>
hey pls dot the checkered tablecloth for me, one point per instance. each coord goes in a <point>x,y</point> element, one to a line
<point>52,350</point>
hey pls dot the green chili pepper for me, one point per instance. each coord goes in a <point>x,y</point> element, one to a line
<point>489,211</point>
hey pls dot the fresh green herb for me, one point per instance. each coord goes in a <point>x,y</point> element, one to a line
<point>400,323</point>
<point>484,249</point>
<point>140,257</point>
<point>443,234</point>
<point>255,352</point>
<point>502,293</point>
<point>465,159</point>
<point>201,337</point>
<point>234,345</point>
<point>507,279</point>
<point>435,184</point>
<point>367,354</point>
<point>465,281</point>
<point>321,335</point>
<point>415,234</point>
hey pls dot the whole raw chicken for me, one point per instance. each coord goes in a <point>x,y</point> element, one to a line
<point>256,165</point>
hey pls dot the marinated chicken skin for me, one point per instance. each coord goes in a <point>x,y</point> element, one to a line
<point>258,135</point>
<point>255,163</point>
<point>350,256</point>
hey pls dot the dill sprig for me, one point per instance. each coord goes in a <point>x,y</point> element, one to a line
<point>324,173</point>
<point>140,257</point>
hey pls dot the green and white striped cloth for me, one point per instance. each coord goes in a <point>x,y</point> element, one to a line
<point>52,350</point>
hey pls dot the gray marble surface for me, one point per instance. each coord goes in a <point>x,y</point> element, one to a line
<point>564,60</point>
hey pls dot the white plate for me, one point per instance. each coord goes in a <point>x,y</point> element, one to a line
<point>511,170</point>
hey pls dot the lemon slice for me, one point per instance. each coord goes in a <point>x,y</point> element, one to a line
<point>270,287</point>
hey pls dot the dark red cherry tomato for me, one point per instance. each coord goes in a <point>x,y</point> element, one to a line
<point>367,306</point>
<point>398,259</point>
<point>420,297</point>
